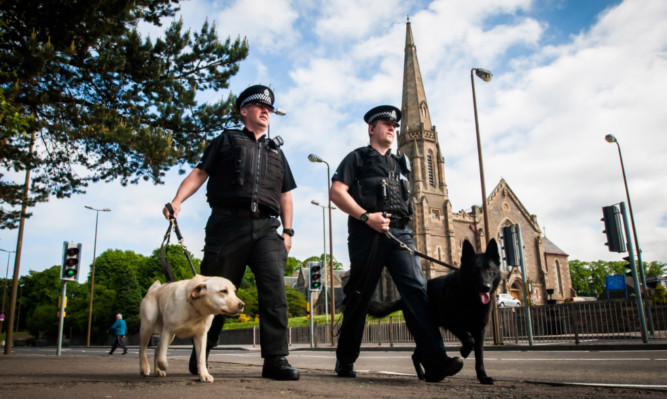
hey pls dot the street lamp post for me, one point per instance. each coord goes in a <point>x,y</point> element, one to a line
<point>92,270</point>
<point>4,291</point>
<point>485,76</point>
<point>315,158</point>
<point>324,255</point>
<point>611,139</point>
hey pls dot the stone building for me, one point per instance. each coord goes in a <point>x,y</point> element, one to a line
<point>440,231</point>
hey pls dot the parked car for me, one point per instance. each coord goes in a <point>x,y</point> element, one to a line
<point>580,299</point>
<point>503,300</point>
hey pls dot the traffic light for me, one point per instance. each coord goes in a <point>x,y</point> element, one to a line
<point>512,254</point>
<point>315,276</point>
<point>71,261</point>
<point>628,265</point>
<point>613,228</point>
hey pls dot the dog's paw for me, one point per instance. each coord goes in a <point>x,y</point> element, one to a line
<point>145,372</point>
<point>160,373</point>
<point>205,378</point>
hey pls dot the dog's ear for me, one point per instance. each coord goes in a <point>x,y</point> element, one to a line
<point>492,251</point>
<point>197,292</point>
<point>468,252</point>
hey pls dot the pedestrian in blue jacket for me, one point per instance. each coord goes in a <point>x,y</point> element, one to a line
<point>118,329</point>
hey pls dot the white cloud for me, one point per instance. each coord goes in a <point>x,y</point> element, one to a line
<point>268,25</point>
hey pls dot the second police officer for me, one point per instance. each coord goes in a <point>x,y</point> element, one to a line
<point>368,187</point>
<point>249,187</point>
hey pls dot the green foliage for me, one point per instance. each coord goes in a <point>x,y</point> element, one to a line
<point>655,268</point>
<point>292,265</point>
<point>40,300</point>
<point>121,280</point>
<point>117,271</point>
<point>588,278</point>
<point>325,259</point>
<point>151,269</point>
<point>660,295</point>
<point>296,303</point>
<point>248,280</point>
<point>103,102</point>
<point>249,297</point>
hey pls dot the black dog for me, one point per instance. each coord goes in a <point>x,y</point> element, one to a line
<point>461,302</point>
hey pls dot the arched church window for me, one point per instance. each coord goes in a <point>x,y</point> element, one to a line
<point>559,281</point>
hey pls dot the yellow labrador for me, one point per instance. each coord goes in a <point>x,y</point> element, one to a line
<point>184,309</point>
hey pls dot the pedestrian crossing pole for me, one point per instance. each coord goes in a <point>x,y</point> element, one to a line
<point>61,316</point>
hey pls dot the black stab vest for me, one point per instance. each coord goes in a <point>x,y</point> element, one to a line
<point>248,171</point>
<point>378,186</point>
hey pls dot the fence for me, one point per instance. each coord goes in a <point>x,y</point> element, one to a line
<point>577,322</point>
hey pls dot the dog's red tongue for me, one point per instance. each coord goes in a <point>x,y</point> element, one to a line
<point>485,297</point>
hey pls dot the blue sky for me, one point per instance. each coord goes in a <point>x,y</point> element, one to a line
<point>566,73</point>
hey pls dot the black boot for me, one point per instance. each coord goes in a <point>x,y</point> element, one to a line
<point>345,369</point>
<point>277,368</point>
<point>435,370</point>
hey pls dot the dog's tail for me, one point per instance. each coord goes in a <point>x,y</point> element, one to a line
<point>381,309</point>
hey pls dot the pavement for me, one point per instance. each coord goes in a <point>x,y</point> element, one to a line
<point>29,374</point>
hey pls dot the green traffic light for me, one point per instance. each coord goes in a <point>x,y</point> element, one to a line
<point>69,272</point>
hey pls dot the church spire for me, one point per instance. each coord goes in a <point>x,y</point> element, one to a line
<point>414,108</point>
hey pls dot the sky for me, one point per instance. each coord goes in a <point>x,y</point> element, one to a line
<point>566,73</point>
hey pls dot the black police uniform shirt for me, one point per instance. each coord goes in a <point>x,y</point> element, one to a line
<point>211,163</point>
<point>373,164</point>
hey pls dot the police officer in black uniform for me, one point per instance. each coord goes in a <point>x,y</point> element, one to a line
<point>249,184</point>
<point>368,185</point>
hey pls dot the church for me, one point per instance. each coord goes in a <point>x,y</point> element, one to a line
<point>439,231</point>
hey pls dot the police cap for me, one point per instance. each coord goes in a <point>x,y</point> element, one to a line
<point>255,94</point>
<point>383,112</point>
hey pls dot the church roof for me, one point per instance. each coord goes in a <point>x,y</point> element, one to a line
<point>551,248</point>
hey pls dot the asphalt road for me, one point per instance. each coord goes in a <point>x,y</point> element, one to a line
<point>622,368</point>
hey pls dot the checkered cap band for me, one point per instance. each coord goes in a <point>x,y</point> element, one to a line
<point>387,115</point>
<point>257,97</point>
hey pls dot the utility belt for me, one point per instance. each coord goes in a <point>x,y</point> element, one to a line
<point>243,213</point>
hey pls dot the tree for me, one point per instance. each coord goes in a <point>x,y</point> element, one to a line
<point>292,265</point>
<point>589,278</point>
<point>40,298</point>
<point>116,270</point>
<point>249,297</point>
<point>151,269</point>
<point>296,303</point>
<point>659,295</point>
<point>100,102</point>
<point>655,268</point>
<point>337,265</point>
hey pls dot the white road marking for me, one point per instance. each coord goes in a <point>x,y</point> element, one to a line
<point>600,384</point>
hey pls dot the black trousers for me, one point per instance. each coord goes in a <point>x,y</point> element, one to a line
<point>234,241</point>
<point>369,253</point>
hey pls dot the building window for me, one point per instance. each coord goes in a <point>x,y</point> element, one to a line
<point>559,281</point>
<point>435,213</point>
<point>429,165</point>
